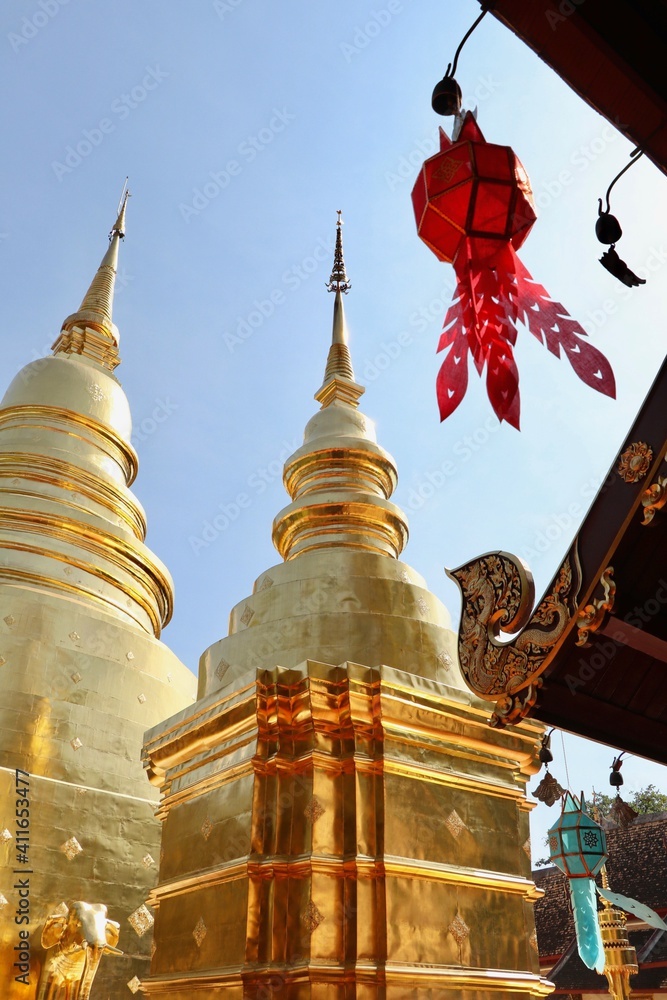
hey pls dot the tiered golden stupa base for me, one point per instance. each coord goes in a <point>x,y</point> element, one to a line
<point>338,832</point>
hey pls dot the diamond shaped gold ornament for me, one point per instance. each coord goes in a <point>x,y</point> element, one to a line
<point>199,933</point>
<point>206,828</point>
<point>71,848</point>
<point>459,929</point>
<point>247,616</point>
<point>141,920</point>
<point>76,743</point>
<point>5,836</point>
<point>311,917</point>
<point>148,860</point>
<point>314,809</point>
<point>134,985</point>
<point>455,824</point>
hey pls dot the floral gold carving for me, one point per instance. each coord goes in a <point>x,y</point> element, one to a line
<point>206,828</point>
<point>654,499</point>
<point>134,984</point>
<point>459,929</point>
<point>455,824</point>
<point>71,848</point>
<point>200,931</point>
<point>590,617</point>
<point>311,917</point>
<point>141,920</point>
<point>314,809</point>
<point>498,593</point>
<point>635,461</point>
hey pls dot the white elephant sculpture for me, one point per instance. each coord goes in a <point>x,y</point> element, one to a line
<point>75,938</point>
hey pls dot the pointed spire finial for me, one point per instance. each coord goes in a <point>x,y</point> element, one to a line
<point>90,331</point>
<point>338,282</point>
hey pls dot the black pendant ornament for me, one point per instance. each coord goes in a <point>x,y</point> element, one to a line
<point>620,812</point>
<point>608,230</point>
<point>548,790</point>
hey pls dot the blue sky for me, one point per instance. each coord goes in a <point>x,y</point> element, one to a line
<point>243,126</point>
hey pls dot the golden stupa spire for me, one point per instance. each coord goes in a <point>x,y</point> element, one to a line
<point>340,480</point>
<point>339,383</point>
<point>90,332</point>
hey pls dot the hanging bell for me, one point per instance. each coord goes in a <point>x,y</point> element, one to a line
<point>607,227</point>
<point>446,99</point>
<point>616,778</point>
<point>548,790</point>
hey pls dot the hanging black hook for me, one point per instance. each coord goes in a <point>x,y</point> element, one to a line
<point>608,230</point>
<point>446,98</point>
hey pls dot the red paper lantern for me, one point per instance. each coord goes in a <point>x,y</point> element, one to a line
<point>474,208</point>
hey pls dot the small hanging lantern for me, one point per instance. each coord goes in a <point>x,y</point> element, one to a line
<point>578,847</point>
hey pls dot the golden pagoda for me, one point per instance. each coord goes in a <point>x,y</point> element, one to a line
<point>82,670</point>
<point>339,819</point>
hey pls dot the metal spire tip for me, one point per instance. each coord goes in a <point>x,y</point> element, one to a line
<point>338,282</point>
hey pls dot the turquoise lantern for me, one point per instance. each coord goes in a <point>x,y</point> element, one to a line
<point>578,847</point>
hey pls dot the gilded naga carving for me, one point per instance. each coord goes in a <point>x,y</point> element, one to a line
<point>75,938</point>
<point>498,594</point>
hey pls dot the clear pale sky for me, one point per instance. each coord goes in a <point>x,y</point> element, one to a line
<point>243,126</point>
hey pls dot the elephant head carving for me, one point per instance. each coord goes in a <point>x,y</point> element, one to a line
<point>75,937</point>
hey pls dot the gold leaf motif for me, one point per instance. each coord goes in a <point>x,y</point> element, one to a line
<point>3,901</point>
<point>444,659</point>
<point>314,809</point>
<point>221,669</point>
<point>9,620</point>
<point>71,848</point>
<point>526,847</point>
<point>459,929</point>
<point>266,583</point>
<point>247,616</point>
<point>635,461</point>
<point>141,920</point>
<point>422,605</point>
<point>76,676</point>
<point>134,985</point>
<point>129,655</point>
<point>591,617</point>
<point>311,917</point>
<point>206,828</point>
<point>5,836</point>
<point>200,931</point>
<point>74,636</point>
<point>548,790</point>
<point>76,743</point>
<point>455,824</point>
<point>654,499</point>
<point>141,698</point>
<point>147,860</point>
<point>96,392</point>
<point>533,941</point>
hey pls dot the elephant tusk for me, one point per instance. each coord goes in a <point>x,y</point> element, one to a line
<point>111,950</point>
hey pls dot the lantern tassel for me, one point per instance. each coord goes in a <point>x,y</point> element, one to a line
<point>491,296</point>
<point>585,911</point>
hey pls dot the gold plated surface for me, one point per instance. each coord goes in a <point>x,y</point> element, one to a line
<point>339,820</point>
<point>82,673</point>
